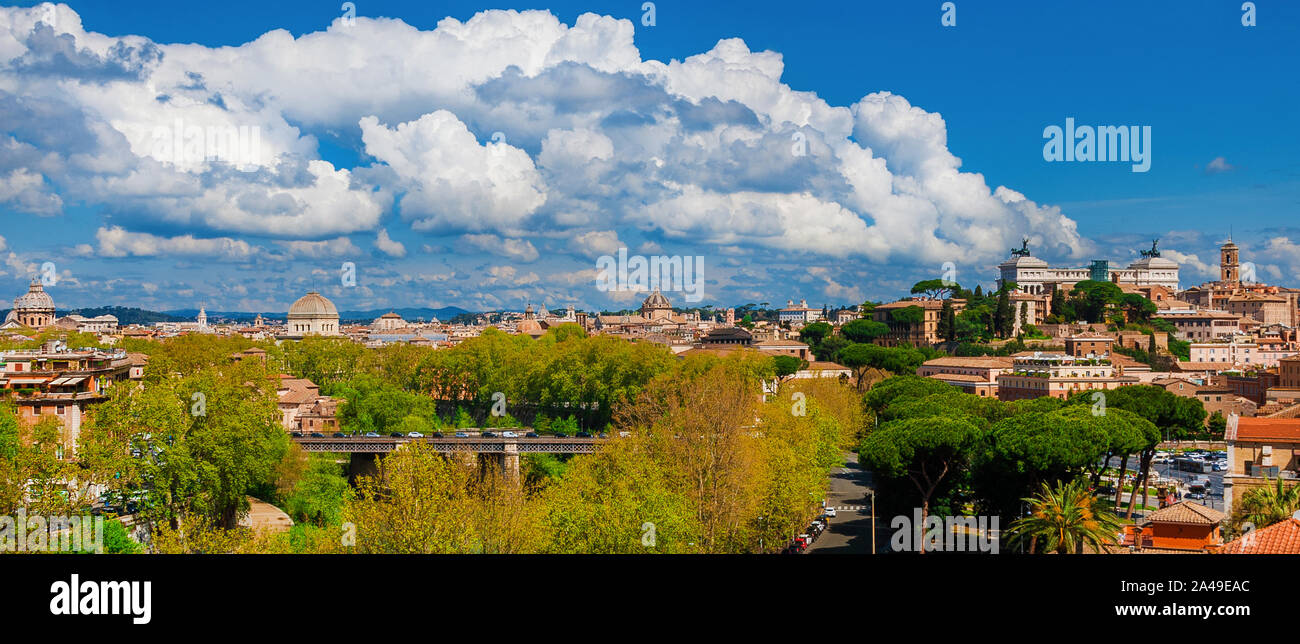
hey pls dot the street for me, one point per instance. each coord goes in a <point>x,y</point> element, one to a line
<point>849,532</point>
<point>1214,492</point>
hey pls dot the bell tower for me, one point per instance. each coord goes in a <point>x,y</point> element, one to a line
<point>1229,269</point>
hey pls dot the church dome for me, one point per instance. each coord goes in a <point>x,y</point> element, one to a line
<point>35,299</point>
<point>656,300</point>
<point>313,305</point>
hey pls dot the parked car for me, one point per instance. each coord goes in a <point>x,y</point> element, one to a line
<point>462,434</point>
<point>509,435</point>
<point>830,512</point>
<point>488,435</point>
<point>582,435</point>
<point>340,435</point>
<point>397,435</point>
<point>415,435</point>
<point>1220,466</point>
<point>317,435</point>
<point>561,435</point>
<point>437,435</point>
<point>531,435</point>
<point>372,435</point>
<point>293,434</point>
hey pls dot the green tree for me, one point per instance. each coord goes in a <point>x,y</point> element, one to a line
<point>947,322</point>
<point>1066,517</point>
<point>1274,502</point>
<point>924,450</point>
<point>908,315</point>
<point>787,366</point>
<point>813,334</point>
<point>935,289</point>
<point>864,331</point>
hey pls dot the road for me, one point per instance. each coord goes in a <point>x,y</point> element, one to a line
<point>1215,490</point>
<point>850,531</point>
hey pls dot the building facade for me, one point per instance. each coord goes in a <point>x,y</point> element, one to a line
<point>1035,276</point>
<point>312,314</point>
<point>1058,375</point>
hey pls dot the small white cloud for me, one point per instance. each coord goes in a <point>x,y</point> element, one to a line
<point>387,246</point>
<point>340,247</point>
<point>116,241</point>
<point>1218,165</point>
<point>597,242</point>
<point>520,250</point>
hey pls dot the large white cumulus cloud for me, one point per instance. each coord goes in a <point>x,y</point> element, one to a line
<point>511,124</point>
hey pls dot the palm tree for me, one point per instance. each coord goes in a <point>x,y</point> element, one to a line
<point>1264,506</point>
<point>1065,518</point>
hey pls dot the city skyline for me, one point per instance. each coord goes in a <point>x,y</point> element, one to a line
<point>564,136</point>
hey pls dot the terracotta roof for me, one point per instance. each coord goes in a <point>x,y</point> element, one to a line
<point>925,304</point>
<point>819,365</point>
<point>957,377</point>
<point>1278,539</point>
<point>1188,513</point>
<point>1201,366</point>
<point>992,362</point>
<point>1286,412</point>
<point>1259,430</point>
<point>781,343</point>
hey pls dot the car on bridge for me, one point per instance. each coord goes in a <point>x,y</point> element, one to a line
<point>462,434</point>
<point>531,435</point>
<point>582,435</point>
<point>509,435</point>
<point>415,435</point>
<point>487,435</point>
<point>372,435</point>
<point>317,435</point>
<point>397,435</point>
<point>340,435</point>
<point>561,435</point>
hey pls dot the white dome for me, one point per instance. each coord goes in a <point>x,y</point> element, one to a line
<point>313,305</point>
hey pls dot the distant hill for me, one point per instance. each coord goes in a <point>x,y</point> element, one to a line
<point>411,314</point>
<point>125,314</point>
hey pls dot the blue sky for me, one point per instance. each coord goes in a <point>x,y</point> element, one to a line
<point>690,158</point>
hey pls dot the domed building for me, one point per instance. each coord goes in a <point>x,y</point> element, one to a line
<point>656,307</point>
<point>389,321</point>
<point>312,314</point>
<point>34,309</point>
<point>530,325</point>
